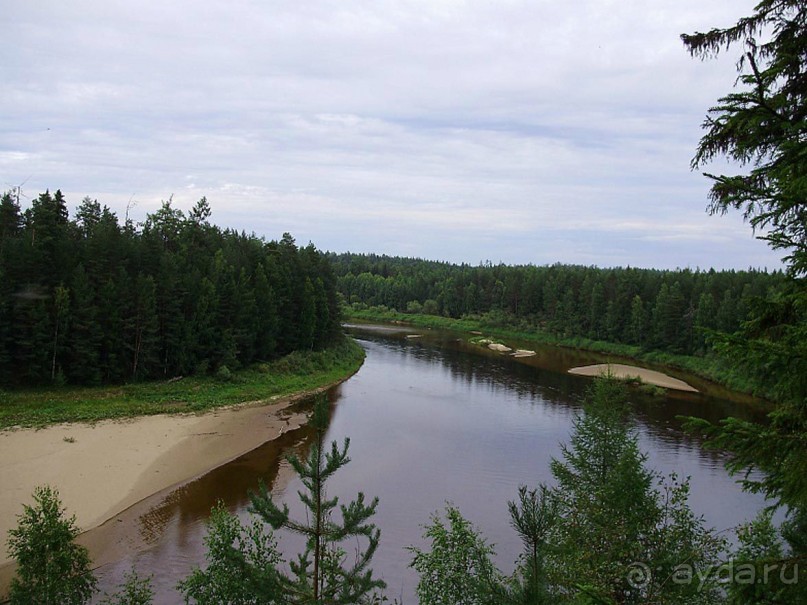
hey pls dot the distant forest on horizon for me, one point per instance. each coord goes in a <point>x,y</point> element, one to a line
<point>666,310</point>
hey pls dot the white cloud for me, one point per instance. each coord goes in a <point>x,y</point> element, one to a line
<point>544,130</point>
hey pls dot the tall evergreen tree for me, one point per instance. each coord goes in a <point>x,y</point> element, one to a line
<point>10,218</point>
<point>762,126</point>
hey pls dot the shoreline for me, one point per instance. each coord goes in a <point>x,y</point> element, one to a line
<point>103,469</point>
<point>700,371</point>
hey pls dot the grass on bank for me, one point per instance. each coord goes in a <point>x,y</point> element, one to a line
<point>297,372</point>
<point>710,367</point>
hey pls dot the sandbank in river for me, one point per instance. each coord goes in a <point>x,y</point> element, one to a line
<point>104,468</point>
<point>619,370</point>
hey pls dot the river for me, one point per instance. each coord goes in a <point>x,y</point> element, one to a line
<point>431,420</point>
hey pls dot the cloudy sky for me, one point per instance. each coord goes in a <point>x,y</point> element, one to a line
<point>517,131</point>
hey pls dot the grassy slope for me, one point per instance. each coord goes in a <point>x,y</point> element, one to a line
<point>291,374</point>
<point>712,368</point>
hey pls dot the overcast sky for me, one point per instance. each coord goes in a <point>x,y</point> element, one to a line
<point>517,131</point>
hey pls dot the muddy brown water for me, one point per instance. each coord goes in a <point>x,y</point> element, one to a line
<point>431,420</point>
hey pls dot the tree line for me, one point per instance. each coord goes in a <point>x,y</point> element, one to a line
<point>666,310</point>
<point>88,300</point>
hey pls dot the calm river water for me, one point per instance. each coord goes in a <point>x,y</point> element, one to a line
<point>431,420</point>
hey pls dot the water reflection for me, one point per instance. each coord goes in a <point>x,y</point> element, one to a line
<point>433,420</point>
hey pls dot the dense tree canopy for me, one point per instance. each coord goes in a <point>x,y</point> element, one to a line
<point>666,310</point>
<point>87,300</point>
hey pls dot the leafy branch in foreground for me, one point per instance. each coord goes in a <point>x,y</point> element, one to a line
<point>51,568</point>
<point>241,565</point>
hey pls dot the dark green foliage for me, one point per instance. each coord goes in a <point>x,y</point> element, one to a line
<point>762,127</point>
<point>324,573</point>
<point>10,218</point>
<point>762,124</point>
<point>241,565</point>
<point>650,308</point>
<point>614,513</point>
<point>51,568</point>
<point>762,572</point>
<point>457,570</point>
<point>533,518</point>
<point>90,301</point>
<point>608,517</point>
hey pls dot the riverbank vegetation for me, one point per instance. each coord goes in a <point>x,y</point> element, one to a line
<point>294,373</point>
<point>710,366</point>
<point>670,311</point>
<point>661,317</point>
<point>88,301</point>
<point>610,530</point>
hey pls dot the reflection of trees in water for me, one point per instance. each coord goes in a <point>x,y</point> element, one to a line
<point>658,417</point>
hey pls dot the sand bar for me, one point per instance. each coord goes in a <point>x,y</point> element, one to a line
<point>104,468</point>
<point>495,346</point>
<point>625,371</point>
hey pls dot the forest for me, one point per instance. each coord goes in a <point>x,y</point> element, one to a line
<point>672,311</point>
<point>87,300</point>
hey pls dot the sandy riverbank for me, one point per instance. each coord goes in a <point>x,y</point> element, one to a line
<point>102,469</point>
<point>625,371</point>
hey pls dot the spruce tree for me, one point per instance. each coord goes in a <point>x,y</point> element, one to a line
<point>762,127</point>
<point>323,573</point>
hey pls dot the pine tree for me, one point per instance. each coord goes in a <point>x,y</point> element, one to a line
<point>10,219</point>
<point>142,329</point>
<point>322,573</point>
<point>533,516</point>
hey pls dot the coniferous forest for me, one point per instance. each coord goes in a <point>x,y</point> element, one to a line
<point>672,311</point>
<point>88,300</point>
